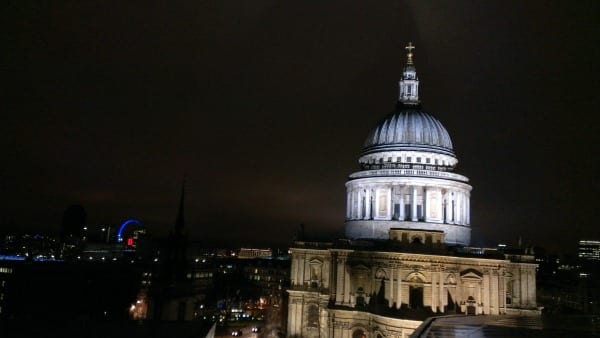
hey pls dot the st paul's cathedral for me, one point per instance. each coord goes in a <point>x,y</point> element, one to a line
<point>406,253</point>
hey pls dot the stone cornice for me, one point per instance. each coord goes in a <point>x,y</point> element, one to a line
<point>400,258</point>
<point>443,175</point>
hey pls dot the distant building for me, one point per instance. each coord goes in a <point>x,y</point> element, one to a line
<point>255,253</point>
<point>589,250</point>
<point>270,275</point>
<point>405,256</point>
<point>5,272</point>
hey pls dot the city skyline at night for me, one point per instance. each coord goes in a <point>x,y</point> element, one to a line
<point>263,108</point>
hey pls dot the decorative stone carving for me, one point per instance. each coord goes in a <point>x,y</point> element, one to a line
<point>380,274</point>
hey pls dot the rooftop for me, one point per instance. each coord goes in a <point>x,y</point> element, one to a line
<point>507,326</point>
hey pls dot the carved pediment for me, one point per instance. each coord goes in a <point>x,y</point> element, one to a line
<point>315,261</point>
<point>416,277</point>
<point>471,274</point>
<point>360,268</point>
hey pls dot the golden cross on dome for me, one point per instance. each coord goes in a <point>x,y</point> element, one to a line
<point>410,47</point>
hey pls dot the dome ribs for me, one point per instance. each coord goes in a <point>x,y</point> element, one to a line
<point>409,128</point>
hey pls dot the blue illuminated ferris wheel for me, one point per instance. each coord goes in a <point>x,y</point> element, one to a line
<point>128,222</point>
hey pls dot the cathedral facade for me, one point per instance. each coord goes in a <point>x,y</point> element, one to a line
<point>406,254</point>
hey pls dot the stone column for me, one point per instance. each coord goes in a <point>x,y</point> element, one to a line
<point>352,204</point>
<point>454,207</point>
<point>359,204</point>
<point>399,290</point>
<point>292,317</point>
<point>517,300</point>
<point>458,213</point>
<point>494,294</point>
<point>459,207</point>
<point>465,208</point>
<point>293,269</point>
<point>486,292</point>
<point>414,217</point>
<point>442,220</point>
<point>389,285</point>
<point>448,218</point>
<point>433,291</point>
<point>463,205</point>
<point>502,284</point>
<point>348,205</point>
<point>301,264</point>
<point>523,281</point>
<point>468,222</point>
<point>425,206</point>
<point>458,295</point>
<point>441,291</point>
<point>346,285</point>
<point>401,201</point>
<point>368,204</point>
<point>356,204</point>
<point>339,298</point>
<point>376,193</point>
<point>390,210</point>
<point>479,295</point>
<point>530,300</point>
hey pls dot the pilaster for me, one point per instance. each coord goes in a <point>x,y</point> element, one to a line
<point>401,201</point>
<point>413,215</point>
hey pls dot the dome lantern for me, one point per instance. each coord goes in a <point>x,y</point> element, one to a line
<point>409,83</point>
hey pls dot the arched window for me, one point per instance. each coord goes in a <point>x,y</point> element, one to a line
<point>359,334</point>
<point>415,290</point>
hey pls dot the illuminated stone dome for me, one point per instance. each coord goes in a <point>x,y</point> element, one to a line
<point>409,128</point>
<point>407,177</point>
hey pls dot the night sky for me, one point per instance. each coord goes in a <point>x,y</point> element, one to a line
<point>264,106</point>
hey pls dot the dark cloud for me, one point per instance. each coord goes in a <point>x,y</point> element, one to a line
<point>265,105</point>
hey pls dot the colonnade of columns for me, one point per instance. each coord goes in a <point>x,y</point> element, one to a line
<point>408,203</point>
<point>523,288</point>
<point>487,292</point>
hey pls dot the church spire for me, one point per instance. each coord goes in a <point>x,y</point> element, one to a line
<point>409,56</point>
<point>409,83</point>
